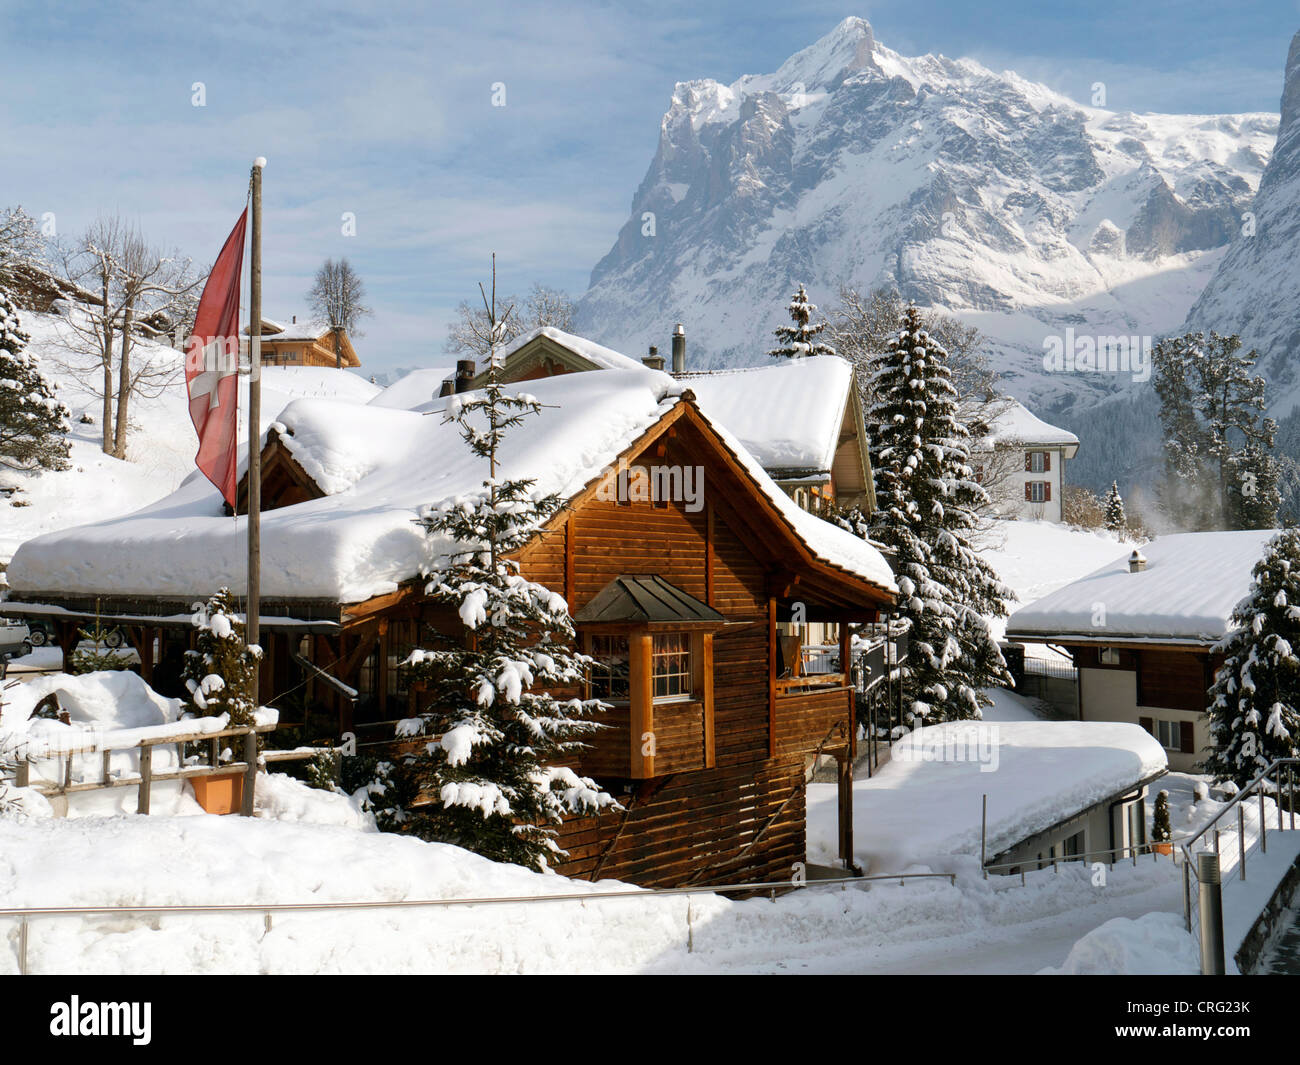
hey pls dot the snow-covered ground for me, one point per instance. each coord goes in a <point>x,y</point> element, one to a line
<point>308,845</point>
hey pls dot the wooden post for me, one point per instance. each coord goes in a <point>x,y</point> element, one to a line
<point>252,630</point>
<point>250,774</point>
<point>846,807</point>
<point>771,678</point>
<point>146,779</point>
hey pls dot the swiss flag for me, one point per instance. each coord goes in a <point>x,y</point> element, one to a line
<point>212,366</point>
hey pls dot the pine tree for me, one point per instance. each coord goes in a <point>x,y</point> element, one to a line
<point>800,340</point>
<point>928,502</point>
<point>493,770</point>
<point>1211,410</point>
<point>1161,832</point>
<point>1115,520</point>
<point>1256,495</point>
<point>219,673</point>
<point>1255,701</point>
<point>33,423</point>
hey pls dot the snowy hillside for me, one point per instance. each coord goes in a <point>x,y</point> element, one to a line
<point>981,193</point>
<point>161,446</point>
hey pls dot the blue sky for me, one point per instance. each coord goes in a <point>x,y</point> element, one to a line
<point>384,110</point>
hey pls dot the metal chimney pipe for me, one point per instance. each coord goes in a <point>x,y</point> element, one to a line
<point>679,348</point>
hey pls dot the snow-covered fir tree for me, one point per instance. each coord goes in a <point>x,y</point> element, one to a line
<point>928,504</point>
<point>1255,701</point>
<point>1115,519</point>
<point>219,673</point>
<point>800,340</point>
<point>504,707</point>
<point>1215,433</point>
<point>33,423</point>
<point>1255,493</point>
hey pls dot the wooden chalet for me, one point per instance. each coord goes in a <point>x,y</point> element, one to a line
<point>1142,633</point>
<point>305,344</point>
<point>801,418</point>
<point>712,730</point>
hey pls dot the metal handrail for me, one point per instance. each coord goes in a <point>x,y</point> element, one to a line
<point>266,909</point>
<point>1041,863</point>
<point>1254,788</point>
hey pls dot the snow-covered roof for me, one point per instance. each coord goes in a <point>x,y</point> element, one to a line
<point>415,388</point>
<point>361,539</point>
<point>1185,594</point>
<point>601,357</point>
<point>788,414</point>
<point>925,804</point>
<point>1017,425</point>
<point>303,329</point>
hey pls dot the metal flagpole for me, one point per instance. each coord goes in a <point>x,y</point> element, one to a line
<point>252,633</point>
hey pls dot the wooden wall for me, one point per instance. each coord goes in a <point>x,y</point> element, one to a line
<point>740,824</point>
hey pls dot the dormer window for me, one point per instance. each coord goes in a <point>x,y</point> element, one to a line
<point>651,646</point>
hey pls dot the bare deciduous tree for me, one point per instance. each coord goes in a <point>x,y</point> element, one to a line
<point>468,335</point>
<point>139,292</point>
<point>337,298</point>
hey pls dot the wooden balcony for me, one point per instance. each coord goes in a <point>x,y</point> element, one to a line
<point>811,711</point>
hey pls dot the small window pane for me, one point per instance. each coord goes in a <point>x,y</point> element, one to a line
<point>609,671</point>
<point>672,665</point>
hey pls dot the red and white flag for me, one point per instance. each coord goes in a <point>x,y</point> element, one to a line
<point>212,366</point>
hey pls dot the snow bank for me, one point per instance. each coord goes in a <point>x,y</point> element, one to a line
<point>415,388</point>
<point>1154,945</point>
<point>923,807</point>
<point>1187,592</point>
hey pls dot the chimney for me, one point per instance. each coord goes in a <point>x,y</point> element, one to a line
<point>654,360</point>
<point>1136,562</point>
<point>464,374</point>
<point>679,348</point>
<point>447,388</point>
<point>295,320</point>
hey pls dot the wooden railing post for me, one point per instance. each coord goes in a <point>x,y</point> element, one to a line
<point>250,774</point>
<point>146,779</point>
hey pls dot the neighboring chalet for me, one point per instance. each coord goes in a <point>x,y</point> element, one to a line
<point>1022,463</point>
<point>800,418</point>
<point>678,596</point>
<point>1142,632</point>
<point>305,343</point>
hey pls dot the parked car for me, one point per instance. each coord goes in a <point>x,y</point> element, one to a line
<point>42,632</point>
<point>15,642</point>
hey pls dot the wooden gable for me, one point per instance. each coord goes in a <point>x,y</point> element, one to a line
<point>284,481</point>
<point>540,357</point>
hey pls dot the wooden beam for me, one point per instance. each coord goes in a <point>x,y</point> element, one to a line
<point>771,678</point>
<point>708,553</point>
<point>706,697</point>
<point>641,689</point>
<point>568,560</point>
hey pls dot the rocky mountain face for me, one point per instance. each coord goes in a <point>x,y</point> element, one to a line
<point>1254,292</point>
<point>983,194</point>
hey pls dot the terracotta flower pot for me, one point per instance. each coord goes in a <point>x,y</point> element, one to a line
<point>220,793</point>
<point>1164,848</point>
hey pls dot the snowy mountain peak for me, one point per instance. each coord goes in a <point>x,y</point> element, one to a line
<point>1291,88</point>
<point>977,192</point>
